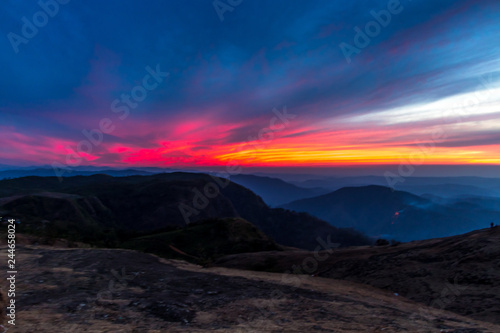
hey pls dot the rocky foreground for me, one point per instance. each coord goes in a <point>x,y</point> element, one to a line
<point>102,290</point>
<point>459,274</point>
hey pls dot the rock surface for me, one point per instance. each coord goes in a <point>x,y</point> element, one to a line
<point>102,290</point>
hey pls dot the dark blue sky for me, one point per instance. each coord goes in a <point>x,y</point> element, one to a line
<point>412,78</point>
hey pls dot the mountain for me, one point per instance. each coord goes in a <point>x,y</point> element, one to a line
<point>204,241</point>
<point>381,212</point>
<point>335,183</point>
<point>339,182</point>
<point>459,274</point>
<point>474,202</point>
<point>122,205</point>
<point>49,172</point>
<point>75,217</point>
<point>450,190</point>
<point>275,191</point>
<point>440,186</point>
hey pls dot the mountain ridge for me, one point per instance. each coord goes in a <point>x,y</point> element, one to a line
<point>381,211</point>
<point>147,203</point>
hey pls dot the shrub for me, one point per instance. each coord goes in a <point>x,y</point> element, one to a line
<point>381,242</point>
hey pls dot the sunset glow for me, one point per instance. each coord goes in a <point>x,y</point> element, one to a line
<point>434,99</point>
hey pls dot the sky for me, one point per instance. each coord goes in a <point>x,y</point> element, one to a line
<point>282,83</point>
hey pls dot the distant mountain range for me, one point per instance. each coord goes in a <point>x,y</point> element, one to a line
<point>275,191</point>
<point>45,172</point>
<point>381,212</point>
<point>102,208</point>
<point>440,186</point>
<point>427,207</point>
<point>281,189</point>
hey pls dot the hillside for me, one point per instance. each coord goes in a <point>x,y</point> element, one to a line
<point>204,241</point>
<point>379,211</point>
<point>109,207</point>
<point>459,274</point>
<point>275,191</point>
<point>109,291</point>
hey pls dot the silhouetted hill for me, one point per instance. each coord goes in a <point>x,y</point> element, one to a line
<point>204,241</point>
<point>147,203</point>
<point>275,191</point>
<point>379,211</point>
<point>440,186</point>
<point>74,217</point>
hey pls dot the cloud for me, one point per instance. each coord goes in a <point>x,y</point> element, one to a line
<point>226,77</point>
